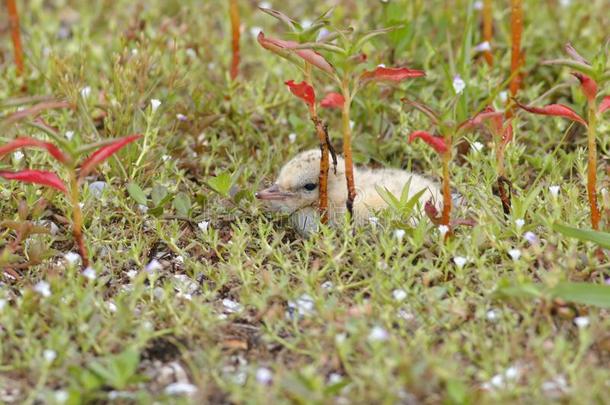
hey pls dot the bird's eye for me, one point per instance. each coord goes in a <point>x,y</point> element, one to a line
<point>310,186</point>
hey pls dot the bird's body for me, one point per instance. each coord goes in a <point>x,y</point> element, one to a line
<point>296,190</point>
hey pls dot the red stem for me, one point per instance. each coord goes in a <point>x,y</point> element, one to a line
<point>11,5</point>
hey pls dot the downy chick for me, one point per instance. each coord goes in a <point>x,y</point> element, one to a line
<point>296,191</point>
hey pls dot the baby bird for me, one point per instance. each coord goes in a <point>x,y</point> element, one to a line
<point>296,191</point>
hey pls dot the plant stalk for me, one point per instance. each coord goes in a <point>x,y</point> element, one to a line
<point>592,165</point>
<point>516,23</point>
<point>77,220</point>
<point>347,149</point>
<point>234,15</point>
<point>447,202</point>
<point>11,5</point>
<point>488,29</point>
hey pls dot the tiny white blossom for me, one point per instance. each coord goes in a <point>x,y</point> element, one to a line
<point>556,387</point>
<point>43,288</point>
<point>503,96</point>
<point>203,226</point>
<point>399,295</point>
<point>89,273</point>
<point>96,188</point>
<point>381,65</point>
<point>143,208</point>
<point>190,52</point>
<point>374,221</point>
<point>61,396</point>
<point>292,137</point>
<point>334,378</point>
<point>264,4</point>
<point>378,334</point>
<point>460,261</point>
<point>515,254</point>
<point>492,315</point>
<point>85,91</point>
<point>443,229</point>
<point>111,306</point>
<point>134,51</point>
<point>231,306</point>
<point>18,155</point>
<point>399,234</point>
<point>351,124</point>
<point>69,135</point>
<point>49,355</point>
<point>303,306</point>
<point>511,373</point>
<point>340,338</point>
<point>132,273</point>
<point>581,321</point>
<point>181,117</point>
<point>478,5</point>
<point>565,3</point>
<point>458,84</point>
<point>554,190</point>
<point>154,104</point>
<point>519,223</point>
<point>2,303</point>
<point>153,266</point>
<point>264,376</point>
<point>72,258</point>
<point>180,388</point>
<point>322,33</point>
<point>483,47</point>
<point>306,23</point>
<point>254,31</point>
<point>327,285</point>
<point>531,237</point>
<point>477,146</point>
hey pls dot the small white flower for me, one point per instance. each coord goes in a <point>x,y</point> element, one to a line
<point>458,84</point>
<point>264,4</point>
<point>381,65</point>
<point>322,33</point>
<point>340,338</point>
<point>154,104</point>
<point>399,295</point>
<point>378,334</point>
<point>515,254</point>
<point>89,273</point>
<point>111,306</point>
<point>581,321</point>
<point>18,155</point>
<point>132,274</point>
<point>153,266</point>
<point>264,376</point>
<point>304,305</point>
<point>72,258</point>
<point>61,396</point>
<point>292,137</point>
<point>85,91</point>
<point>531,237</point>
<point>406,315</point>
<point>519,223</point>
<point>399,234</point>
<point>43,288</point>
<point>478,5</point>
<point>565,3</point>
<point>231,306</point>
<point>335,378</point>
<point>511,373</point>
<point>555,388</point>
<point>492,315</point>
<point>306,23</point>
<point>254,31</point>
<point>181,117</point>
<point>327,285</point>
<point>482,47</point>
<point>203,226</point>
<point>143,208</point>
<point>477,146</point>
<point>180,388</point>
<point>443,229</point>
<point>134,51</point>
<point>460,261</point>
<point>191,53</point>
<point>165,158</point>
<point>2,303</point>
<point>69,135</point>
<point>49,355</point>
<point>554,190</point>
<point>351,124</point>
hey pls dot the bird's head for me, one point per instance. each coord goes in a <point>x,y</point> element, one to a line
<point>297,184</point>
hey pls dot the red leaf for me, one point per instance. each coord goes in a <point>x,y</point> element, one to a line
<point>436,142</point>
<point>104,153</point>
<point>34,143</point>
<point>556,110</point>
<point>391,74</point>
<point>41,177</point>
<point>589,86</point>
<point>605,105</point>
<point>280,46</point>
<point>487,114</point>
<point>302,90</point>
<point>507,134</point>
<point>333,100</point>
<point>432,212</point>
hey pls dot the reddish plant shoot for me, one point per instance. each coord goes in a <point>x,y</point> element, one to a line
<point>302,90</point>
<point>104,153</point>
<point>436,142</point>
<point>13,14</point>
<point>40,177</point>
<point>488,29</point>
<point>333,100</point>
<point>555,110</point>
<point>235,34</point>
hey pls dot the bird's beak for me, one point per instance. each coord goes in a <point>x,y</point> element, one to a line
<point>273,193</point>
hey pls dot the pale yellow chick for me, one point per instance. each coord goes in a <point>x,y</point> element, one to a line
<point>296,190</point>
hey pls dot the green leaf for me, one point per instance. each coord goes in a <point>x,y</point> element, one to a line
<point>583,293</point>
<point>182,204</point>
<point>600,238</point>
<point>505,289</point>
<point>221,184</point>
<point>137,194</point>
<point>157,194</point>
